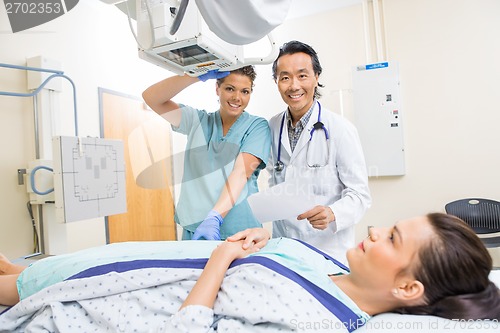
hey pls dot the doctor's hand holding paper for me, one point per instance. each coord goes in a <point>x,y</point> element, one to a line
<point>225,152</point>
<point>319,149</point>
<point>319,217</point>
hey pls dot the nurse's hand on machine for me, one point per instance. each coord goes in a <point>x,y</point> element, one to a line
<point>213,74</point>
<point>209,229</point>
<point>319,217</point>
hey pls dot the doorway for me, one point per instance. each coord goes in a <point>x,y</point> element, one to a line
<point>148,169</point>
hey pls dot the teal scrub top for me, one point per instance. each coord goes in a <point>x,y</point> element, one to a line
<point>208,161</point>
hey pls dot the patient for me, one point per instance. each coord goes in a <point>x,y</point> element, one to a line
<point>434,265</point>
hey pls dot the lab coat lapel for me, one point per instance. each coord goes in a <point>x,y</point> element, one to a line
<point>284,137</point>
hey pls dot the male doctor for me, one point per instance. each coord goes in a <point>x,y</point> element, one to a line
<point>317,153</point>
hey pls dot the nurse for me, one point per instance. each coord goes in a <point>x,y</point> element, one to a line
<point>225,153</point>
<point>317,153</point>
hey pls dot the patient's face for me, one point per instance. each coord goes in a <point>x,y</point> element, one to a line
<point>380,258</point>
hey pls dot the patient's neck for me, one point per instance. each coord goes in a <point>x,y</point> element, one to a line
<point>370,301</point>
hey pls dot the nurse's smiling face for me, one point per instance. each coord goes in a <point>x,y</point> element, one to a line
<point>380,259</point>
<point>234,95</point>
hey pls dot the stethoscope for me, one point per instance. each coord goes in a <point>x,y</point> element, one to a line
<point>279,166</point>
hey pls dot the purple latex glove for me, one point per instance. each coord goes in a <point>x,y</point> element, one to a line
<point>213,74</point>
<point>209,229</point>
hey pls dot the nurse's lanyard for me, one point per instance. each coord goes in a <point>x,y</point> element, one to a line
<point>279,166</point>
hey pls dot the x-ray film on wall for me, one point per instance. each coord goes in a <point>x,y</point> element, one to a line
<point>89,178</point>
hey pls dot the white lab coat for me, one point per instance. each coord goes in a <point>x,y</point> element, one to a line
<point>343,181</point>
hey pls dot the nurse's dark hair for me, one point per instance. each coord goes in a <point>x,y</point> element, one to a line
<point>248,71</point>
<point>454,269</point>
<point>293,47</point>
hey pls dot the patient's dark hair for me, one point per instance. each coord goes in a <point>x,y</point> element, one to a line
<point>293,47</point>
<point>454,270</point>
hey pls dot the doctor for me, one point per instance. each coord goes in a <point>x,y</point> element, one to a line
<point>318,153</point>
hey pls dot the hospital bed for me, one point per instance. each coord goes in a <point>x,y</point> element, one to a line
<point>388,322</point>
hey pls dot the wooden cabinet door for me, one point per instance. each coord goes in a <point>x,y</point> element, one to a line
<point>148,170</point>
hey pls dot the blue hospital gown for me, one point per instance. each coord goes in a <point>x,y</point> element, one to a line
<point>129,289</point>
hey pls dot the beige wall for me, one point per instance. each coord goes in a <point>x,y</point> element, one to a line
<point>448,53</point>
<point>96,48</point>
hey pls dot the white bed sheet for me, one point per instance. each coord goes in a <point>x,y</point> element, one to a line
<point>393,322</point>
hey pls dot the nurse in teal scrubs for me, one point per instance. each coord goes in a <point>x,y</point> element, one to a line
<point>224,155</point>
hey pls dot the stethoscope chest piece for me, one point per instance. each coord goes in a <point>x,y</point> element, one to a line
<point>318,125</point>
<point>279,166</point>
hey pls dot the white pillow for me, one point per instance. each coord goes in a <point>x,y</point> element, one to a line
<point>393,322</point>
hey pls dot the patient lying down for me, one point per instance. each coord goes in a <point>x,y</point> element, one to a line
<point>433,265</point>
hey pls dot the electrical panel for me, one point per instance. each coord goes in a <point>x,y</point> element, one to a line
<point>379,118</point>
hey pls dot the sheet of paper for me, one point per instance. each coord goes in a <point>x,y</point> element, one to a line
<point>283,201</point>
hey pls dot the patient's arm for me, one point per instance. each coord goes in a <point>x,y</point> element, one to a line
<point>206,288</point>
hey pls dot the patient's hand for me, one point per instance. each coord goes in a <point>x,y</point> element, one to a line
<point>256,237</point>
<point>229,251</point>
